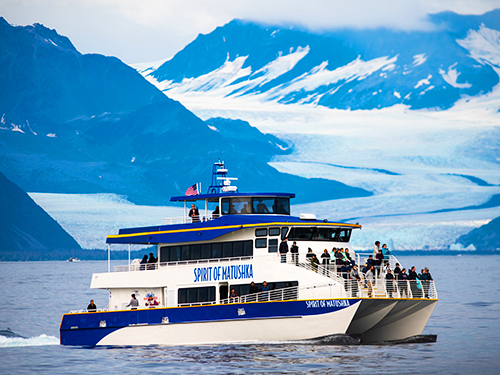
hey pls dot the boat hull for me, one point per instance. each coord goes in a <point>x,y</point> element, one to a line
<point>385,320</point>
<point>212,324</point>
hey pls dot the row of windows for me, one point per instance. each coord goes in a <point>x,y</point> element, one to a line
<point>207,294</point>
<point>320,234</point>
<point>206,251</point>
<point>249,205</point>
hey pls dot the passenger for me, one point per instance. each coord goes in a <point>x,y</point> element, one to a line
<point>151,301</point>
<point>386,251</point>
<point>216,213</point>
<point>144,261</point>
<point>325,260</point>
<point>370,280</point>
<point>254,288</point>
<point>309,254</point>
<point>427,283</point>
<point>265,291</point>
<point>294,250</point>
<point>424,282</point>
<point>389,282</point>
<point>348,257</point>
<point>397,270</point>
<point>387,267</point>
<point>91,307</point>
<point>283,249</point>
<point>194,214</point>
<point>245,209</point>
<point>354,274</point>
<point>262,208</point>
<point>151,262</point>
<point>233,295</point>
<point>314,263</point>
<point>370,261</point>
<point>376,248</point>
<point>412,277</point>
<point>403,283</point>
<point>134,303</point>
<point>378,262</point>
<point>339,260</point>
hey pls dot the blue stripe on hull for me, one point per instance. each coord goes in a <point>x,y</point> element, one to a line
<point>83,329</point>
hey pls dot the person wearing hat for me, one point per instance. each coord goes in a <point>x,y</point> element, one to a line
<point>134,303</point>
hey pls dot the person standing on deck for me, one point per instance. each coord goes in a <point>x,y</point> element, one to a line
<point>295,253</point>
<point>376,248</point>
<point>283,249</point>
<point>354,280</point>
<point>370,280</point>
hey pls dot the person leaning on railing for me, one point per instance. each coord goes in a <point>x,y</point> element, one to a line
<point>354,274</point>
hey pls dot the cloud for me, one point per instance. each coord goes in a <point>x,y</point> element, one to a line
<point>149,30</point>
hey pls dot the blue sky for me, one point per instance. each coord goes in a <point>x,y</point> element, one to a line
<point>151,30</point>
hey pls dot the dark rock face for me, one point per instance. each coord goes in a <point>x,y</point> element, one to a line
<point>25,226</point>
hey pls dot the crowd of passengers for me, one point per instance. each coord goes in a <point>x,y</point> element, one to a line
<point>377,266</point>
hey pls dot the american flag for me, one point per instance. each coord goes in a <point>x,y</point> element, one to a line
<point>192,190</point>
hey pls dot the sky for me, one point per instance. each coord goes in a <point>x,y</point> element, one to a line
<point>152,30</point>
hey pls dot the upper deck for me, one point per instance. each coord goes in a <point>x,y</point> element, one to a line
<point>230,211</point>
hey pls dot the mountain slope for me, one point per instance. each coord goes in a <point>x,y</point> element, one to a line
<point>347,69</point>
<point>484,238</point>
<point>73,123</point>
<point>25,226</point>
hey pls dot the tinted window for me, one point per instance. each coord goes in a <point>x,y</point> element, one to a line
<point>263,205</point>
<point>261,232</point>
<point>274,231</point>
<point>225,206</point>
<point>196,295</point>
<point>260,242</point>
<point>238,249</point>
<point>227,249</point>
<point>273,245</point>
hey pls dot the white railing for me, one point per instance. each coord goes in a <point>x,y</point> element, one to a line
<point>153,266</point>
<point>188,219</point>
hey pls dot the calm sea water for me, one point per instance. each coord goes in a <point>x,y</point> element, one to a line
<point>466,320</point>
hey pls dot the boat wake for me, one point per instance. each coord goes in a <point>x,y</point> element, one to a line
<point>356,340</point>
<point>9,339</point>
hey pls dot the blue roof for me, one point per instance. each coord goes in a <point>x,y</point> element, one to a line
<point>209,230</point>
<point>228,195</point>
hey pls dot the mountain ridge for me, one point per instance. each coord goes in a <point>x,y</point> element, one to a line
<point>344,69</point>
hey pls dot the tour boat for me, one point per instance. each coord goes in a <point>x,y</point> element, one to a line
<point>219,277</point>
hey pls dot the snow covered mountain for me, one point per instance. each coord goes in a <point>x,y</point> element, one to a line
<point>411,116</point>
<point>87,123</point>
<point>346,69</point>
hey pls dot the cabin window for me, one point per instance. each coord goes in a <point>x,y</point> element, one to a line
<point>284,232</point>
<point>195,252</point>
<point>260,243</point>
<point>227,249</point>
<point>196,295</point>
<point>273,245</point>
<point>300,234</point>
<point>206,251</point>
<point>320,234</point>
<point>225,206</point>
<point>344,235</point>
<point>261,232</point>
<point>274,231</point>
<point>216,250</point>
<point>238,249</point>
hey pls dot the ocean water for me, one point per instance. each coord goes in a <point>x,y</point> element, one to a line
<point>466,320</point>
